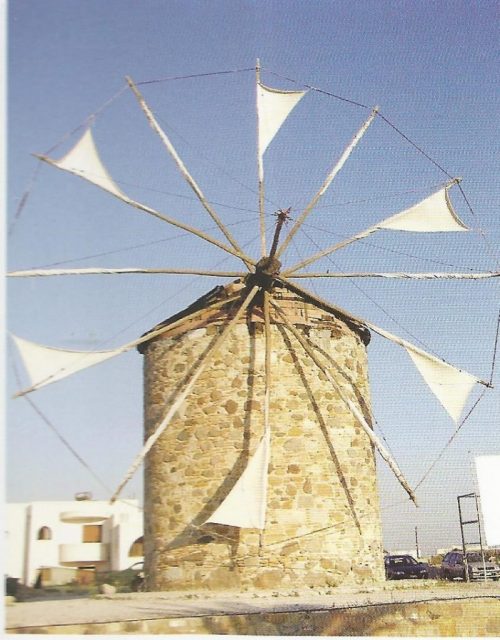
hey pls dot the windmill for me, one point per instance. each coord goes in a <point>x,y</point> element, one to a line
<point>299,409</point>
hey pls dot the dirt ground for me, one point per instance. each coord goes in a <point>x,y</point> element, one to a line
<point>156,605</point>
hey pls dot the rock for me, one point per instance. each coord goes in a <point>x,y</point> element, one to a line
<point>107,589</point>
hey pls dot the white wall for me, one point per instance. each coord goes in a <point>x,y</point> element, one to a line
<point>14,539</point>
<point>25,554</point>
<point>488,478</point>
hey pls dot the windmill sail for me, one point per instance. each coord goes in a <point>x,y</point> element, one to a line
<point>450,385</point>
<point>273,107</point>
<point>433,214</point>
<point>47,364</point>
<point>83,160</point>
<point>245,505</point>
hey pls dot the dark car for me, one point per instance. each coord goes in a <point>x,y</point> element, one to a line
<point>453,566</point>
<point>130,579</point>
<point>401,567</point>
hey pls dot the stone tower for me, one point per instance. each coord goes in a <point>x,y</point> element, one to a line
<point>323,520</point>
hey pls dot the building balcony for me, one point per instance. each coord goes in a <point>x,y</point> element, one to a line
<point>96,514</point>
<point>83,553</point>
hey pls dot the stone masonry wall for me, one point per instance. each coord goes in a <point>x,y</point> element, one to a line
<point>323,520</point>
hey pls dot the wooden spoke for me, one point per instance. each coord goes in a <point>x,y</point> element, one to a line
<point>145,338</point>
<point>359,236</point>
<point>401,275</point>
<point>182,168</point>
<point>267,379</point>
<point>329,250</point>
<point>153,212</point>
<point>355,410</point>
<point>184,393</point>
<point>29,273</point>
<point>350,317</point>
<point>337,167</point>
<point>260,168</point>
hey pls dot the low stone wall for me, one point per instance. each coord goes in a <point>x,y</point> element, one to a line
<point>459,618</point>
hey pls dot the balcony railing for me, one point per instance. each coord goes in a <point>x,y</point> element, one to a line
<point>95,514</point>
<point>83,553</point>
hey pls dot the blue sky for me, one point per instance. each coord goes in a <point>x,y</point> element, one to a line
<point>430,66</point>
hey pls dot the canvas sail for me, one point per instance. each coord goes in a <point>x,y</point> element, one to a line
<point>450,385</point>
<point>45,365</point>
<point>273,106</point>
<point>245,504</point>
<point>83,160</point>
<point>433,214</point>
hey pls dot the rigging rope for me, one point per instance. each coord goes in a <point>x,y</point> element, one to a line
<point>207,529</point>
<point>357,286</point>
<point>195,75</point>
<point>453,436</point>
<point>211,162</point>
<point>129,248</point>
<point>479,230</point>
<point>495,350</point>
<point>318,90</point>
<point>61,140</point>
<point>44,418</point>
<point>370,243</point>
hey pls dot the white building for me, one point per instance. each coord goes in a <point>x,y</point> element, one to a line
<point>65,537</point>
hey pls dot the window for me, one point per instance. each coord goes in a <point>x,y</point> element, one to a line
<point>137,548</point>
<point>92,533</point>
<point>44,533</point>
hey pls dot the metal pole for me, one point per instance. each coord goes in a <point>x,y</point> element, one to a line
<point>416,543</point>
<point>466,565</point>
<point>480,537</point>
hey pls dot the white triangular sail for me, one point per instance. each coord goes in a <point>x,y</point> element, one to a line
<point>433,214</point>
<point>273,107</point>
<point>450,385</point>
<point>245,504</point>
<point>83,160</point>
<point>45,365</point>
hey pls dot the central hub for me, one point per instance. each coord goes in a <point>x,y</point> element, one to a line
<point>268,266</point>
<point>266,269</point>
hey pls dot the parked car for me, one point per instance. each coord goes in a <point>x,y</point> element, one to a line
<point>401,567</point>
<point>453,566</point>
<point>125,580</point>
<point>137,582</point>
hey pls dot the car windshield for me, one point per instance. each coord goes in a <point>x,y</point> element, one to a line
<point>474,557</point>
<point>396,560</point>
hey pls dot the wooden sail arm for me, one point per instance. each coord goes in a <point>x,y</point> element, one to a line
<point>29,273</point>
<point>355,410</point>
<point>260,167</point>
<point>183,169</point>
<point>268,379</point>
<point>184,393</point>
<point>445,219</point>
<point>400,275</point>
<point>361,322</point>
<point>329,250</point>
<point>131,345</point>
<point>153,212</point>
<point>335,170</point>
